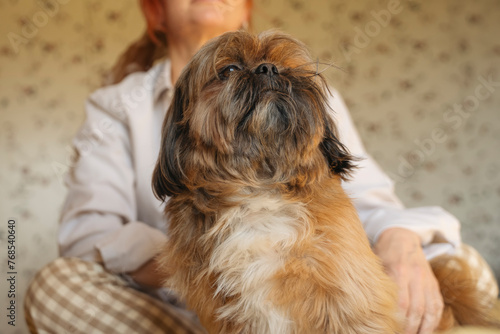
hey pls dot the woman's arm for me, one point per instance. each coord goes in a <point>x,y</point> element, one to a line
<point>99,218</point>
<point>379,209</point>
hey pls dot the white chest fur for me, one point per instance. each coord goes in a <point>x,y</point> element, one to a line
<point>257,239</point>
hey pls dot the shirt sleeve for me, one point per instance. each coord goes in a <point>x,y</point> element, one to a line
<point>99,217</point>
<point>372,192</point>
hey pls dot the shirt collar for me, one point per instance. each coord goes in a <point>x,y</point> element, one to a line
<point>162,73</point>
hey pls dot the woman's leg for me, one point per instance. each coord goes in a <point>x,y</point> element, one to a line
<point>70,295</point>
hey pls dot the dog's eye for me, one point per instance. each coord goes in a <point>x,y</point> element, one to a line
<point>226,71</point>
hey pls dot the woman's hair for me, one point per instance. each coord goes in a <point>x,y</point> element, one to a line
<point>151,46</point>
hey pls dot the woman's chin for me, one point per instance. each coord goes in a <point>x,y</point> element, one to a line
<point>207,1</point>
<point>213,17</point>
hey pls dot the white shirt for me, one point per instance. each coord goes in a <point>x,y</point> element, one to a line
<point>111,215</point>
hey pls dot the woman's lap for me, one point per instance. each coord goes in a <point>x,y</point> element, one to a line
<point>71,295</point>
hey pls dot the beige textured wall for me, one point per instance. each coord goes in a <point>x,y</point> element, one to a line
<point>405,65</point>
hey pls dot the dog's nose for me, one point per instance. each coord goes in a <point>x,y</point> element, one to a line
<point>266,68</point>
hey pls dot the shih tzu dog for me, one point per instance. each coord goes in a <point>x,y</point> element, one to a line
<point>262,238</point>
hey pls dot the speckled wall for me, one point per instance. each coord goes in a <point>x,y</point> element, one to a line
<point>422,80</point>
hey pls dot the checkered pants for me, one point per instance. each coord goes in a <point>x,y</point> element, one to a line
<point>70,295</point>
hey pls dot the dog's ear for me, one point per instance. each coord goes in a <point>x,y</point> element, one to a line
<point>168,174</point>
<point>339,160</point>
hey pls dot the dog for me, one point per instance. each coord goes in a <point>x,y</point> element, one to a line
<point>262,238</point>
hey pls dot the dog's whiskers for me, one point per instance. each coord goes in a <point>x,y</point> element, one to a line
<point>318,71</point>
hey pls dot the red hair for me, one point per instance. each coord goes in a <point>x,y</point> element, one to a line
<point>154,12</point>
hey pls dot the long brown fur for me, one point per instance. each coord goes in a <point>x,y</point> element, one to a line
<point>465,304</point>
<point>262,238</point>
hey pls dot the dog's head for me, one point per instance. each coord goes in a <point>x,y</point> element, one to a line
<point>248,109</point>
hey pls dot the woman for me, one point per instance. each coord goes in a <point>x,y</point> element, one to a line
<point>112,225</point>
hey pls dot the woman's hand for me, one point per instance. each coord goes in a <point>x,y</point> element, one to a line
<point>419,296</point>
<point>148,275</point>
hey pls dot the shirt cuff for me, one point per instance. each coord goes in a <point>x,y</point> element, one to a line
<point>130,247</point>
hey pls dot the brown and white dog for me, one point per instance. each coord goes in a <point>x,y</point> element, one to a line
<point>262,238</point>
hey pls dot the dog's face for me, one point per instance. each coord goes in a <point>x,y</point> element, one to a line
<point>251,110</point>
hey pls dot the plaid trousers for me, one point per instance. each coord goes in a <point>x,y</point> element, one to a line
<point>71,295</point>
